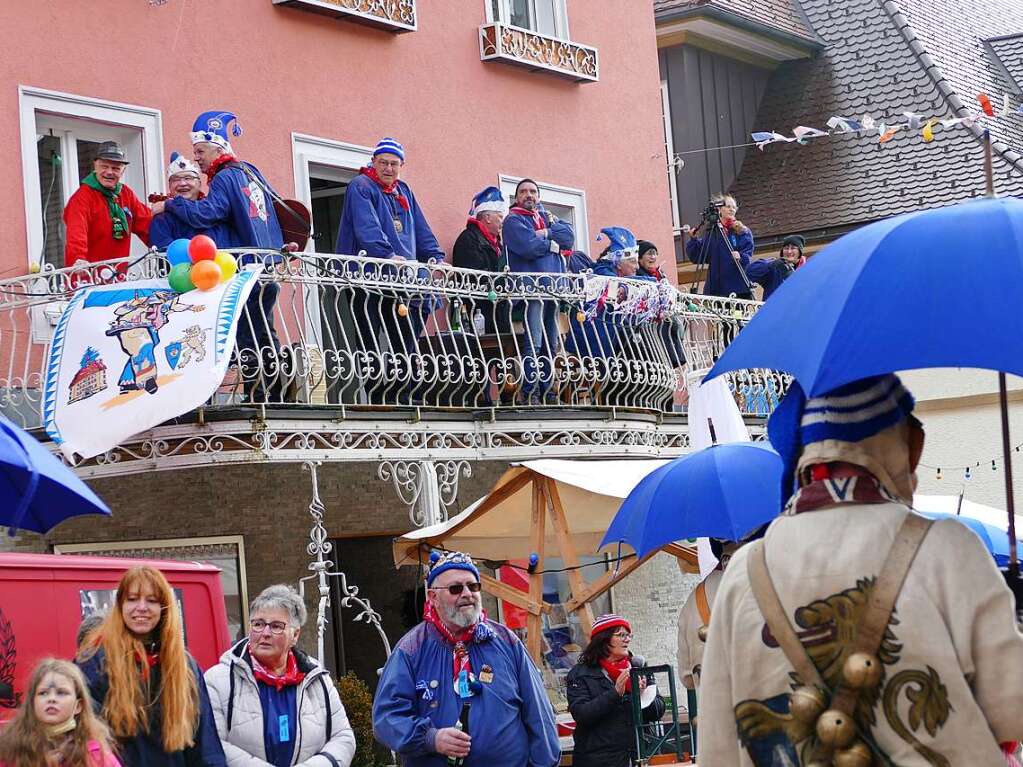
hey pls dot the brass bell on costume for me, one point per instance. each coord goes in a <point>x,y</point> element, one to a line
<point>835,729</point>
<point>702,633</point>
<point>862,671</point>
<point>857,755</point>
<point>806,703</point>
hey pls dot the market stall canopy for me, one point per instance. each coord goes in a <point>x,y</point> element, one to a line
<point>497,526</point>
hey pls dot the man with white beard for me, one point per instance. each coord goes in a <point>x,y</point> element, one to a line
<point>458,661</point>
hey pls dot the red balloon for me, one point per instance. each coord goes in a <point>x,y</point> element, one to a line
<point>202,248</point>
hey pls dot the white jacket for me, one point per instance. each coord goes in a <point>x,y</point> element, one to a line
<point>323,736</point>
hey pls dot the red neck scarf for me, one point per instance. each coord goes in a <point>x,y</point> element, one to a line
<point>218,165</point>
<point>614,669</point>
<point>146,661</point>
<point>538,220</point>
<point>494,243</point>
<point>391,190</point>
<point>460,654</point>
<point>825,491</point>
<point>291,675</point>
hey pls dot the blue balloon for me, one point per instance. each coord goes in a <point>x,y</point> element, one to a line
<point>177,252</point>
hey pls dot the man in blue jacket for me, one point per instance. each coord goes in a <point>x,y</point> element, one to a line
<point>382,219</point>
<point>458,657</point>
<point>725,249</point>
<point>536,240</point>
<point>182,181</point>
<point>239,213</point>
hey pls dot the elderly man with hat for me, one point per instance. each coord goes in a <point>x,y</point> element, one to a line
<point>857,632</point>
<point>102,215</point>
<point>770,273</point>
<point>238,213</point>
<point>479,247</point>
<point>182,181</point>
<point>459,686</point>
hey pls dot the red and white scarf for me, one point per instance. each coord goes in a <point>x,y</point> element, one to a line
<point>477,632</point>
<point>539,222</point>
<point>391,190</point>
<point>291,675</point>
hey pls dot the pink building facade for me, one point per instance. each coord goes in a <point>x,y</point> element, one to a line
<point>574,104</point>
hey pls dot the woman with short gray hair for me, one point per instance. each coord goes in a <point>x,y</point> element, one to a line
<point>273,704</point>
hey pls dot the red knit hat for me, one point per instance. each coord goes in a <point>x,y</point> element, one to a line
<point>608,622</point>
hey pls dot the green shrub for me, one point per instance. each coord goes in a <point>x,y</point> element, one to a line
<point>358,704</point>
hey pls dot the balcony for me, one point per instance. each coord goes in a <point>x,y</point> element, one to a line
<point>378,360</point>
<point>391,15</point>
<point>521,47</point>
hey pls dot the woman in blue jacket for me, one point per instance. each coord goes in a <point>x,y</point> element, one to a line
<point>725,250</point>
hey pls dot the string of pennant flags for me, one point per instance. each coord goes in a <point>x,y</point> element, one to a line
<point>886,130</point>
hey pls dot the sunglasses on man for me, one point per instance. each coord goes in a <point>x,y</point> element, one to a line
<point>456,588</point>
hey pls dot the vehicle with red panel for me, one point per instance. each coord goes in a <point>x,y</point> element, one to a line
<point>44,597</point>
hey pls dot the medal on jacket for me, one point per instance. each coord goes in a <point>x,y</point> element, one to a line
<point>398,226</point>
<point>486,674</point>
<point>465,681</point>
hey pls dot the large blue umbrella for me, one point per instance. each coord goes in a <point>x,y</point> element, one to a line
<point>935,288</point>
<point>37,491</point>
<point>723,491</point>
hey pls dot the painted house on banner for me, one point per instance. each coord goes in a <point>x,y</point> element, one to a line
<point>481,93</point>
<point>732,67</point>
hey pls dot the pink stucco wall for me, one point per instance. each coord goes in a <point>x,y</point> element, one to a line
<point>281,70</point>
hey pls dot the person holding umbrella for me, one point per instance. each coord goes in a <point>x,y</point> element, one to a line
<point>857,632</point>
<point>600,697</point>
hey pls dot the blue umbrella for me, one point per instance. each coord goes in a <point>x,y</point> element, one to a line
<point>937,288</point>
<point>723,491</point>
<point>993,537</point>
<point>37,491</point>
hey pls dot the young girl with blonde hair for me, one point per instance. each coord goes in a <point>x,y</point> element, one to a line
<point>148,688</point>
<point>56,725</point>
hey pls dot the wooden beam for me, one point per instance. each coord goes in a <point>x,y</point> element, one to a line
<point>534,624</point>
<point>568,553</point>
<point>685,554</point>
<point>604,582</point>
<point>512,595</point>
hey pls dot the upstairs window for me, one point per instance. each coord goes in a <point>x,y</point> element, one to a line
<point>545,17</point>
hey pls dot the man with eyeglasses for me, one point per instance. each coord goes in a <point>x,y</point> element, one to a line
<point>457,658</point>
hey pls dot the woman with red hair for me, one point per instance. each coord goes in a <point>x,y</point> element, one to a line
<point>145,684</point>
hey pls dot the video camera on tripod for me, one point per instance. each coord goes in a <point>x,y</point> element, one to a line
<point>712,213</point>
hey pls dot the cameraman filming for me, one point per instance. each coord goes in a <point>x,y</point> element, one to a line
<point>725,246</point>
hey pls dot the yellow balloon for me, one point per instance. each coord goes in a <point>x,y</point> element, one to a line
<point>228,266</point>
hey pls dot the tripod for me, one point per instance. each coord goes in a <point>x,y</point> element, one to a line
<point>702,262</point>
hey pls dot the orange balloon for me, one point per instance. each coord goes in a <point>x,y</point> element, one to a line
<point>206,274</point>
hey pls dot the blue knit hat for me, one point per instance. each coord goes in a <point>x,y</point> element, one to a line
<point>622,243</point>
<point>390,146</point>
<point>211,127</point>
<point>453,560</point>
<point>850,413</point>
<point>489,199</point>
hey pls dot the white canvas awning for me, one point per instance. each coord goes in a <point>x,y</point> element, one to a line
<point>497,526</point>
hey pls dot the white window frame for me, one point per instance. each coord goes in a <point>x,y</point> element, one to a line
<point>559,195</point>
<point>33,102</point>
<point>669,148</point>
<point>560,17</point>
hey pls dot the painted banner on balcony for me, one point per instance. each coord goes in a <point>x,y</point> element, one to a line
<point>128,356</point>
<point>642,300</point>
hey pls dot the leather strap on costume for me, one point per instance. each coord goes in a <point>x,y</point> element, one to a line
<point>872,624</point>
<point>701,603</point>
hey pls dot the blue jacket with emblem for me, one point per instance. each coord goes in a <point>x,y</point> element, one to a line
<point>368,223</point>
<point>723,275</point>
<point>238,211</point>
<point>529,253</point>
<point>511,721</point>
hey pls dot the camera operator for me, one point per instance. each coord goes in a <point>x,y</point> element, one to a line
<point>725,247</point>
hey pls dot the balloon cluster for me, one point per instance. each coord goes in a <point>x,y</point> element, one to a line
<point>196,263</point>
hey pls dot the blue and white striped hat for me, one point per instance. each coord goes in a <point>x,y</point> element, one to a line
<point>850,413</point>
<point>390,146</point>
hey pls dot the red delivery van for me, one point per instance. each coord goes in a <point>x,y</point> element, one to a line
<point>43,598</point>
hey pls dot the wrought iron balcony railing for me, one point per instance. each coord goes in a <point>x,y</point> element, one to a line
<point>392,15</point>
<point>522,47</point>
<point>366,334</point>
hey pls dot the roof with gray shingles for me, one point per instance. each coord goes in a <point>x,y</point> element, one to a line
<point>882,58</point>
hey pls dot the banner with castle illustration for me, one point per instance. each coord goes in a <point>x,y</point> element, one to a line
<point>128,356</point>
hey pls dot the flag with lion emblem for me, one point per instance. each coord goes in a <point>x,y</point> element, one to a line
<point>128,356</point>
